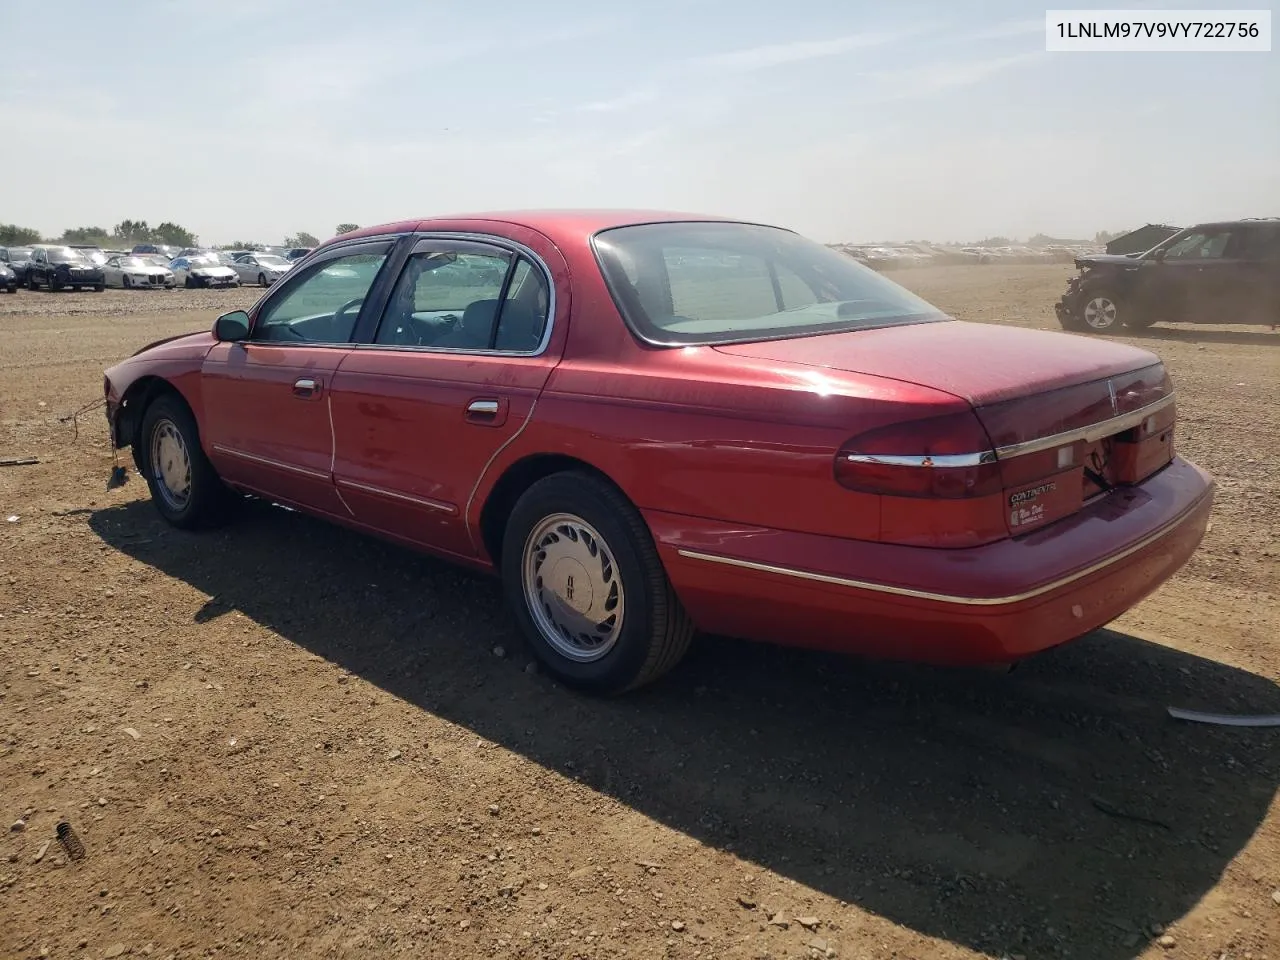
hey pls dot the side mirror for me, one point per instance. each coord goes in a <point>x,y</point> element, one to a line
<point>232,326</point>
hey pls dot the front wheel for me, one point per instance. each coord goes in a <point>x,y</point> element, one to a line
<point>1103,313</point>
<point>185,488</point>
<point>587,587</point>
<point>262,279</point>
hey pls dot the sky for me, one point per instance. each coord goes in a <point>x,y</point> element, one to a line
<point>845,120</point>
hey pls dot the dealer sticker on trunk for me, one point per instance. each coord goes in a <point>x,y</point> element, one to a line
<point>1024,508</point>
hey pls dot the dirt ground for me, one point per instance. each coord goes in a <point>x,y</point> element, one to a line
<point>286,739</point>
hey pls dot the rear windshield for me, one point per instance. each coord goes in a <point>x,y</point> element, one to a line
<point>706,282</point>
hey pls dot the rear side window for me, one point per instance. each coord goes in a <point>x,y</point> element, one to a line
<point>709,282</point>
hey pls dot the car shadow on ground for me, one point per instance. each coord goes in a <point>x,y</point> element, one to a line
<point>1055,809</point>
<point>1201,334</point>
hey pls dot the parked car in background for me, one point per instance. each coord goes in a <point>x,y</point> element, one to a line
<point>1225,272</point>
<point>203,271</point>
<point>18,260</point>
<point>297,253</point>
<point>129,272</point>
<point>91,252</point>
<point>263,269</point>
<point>163,249</point>
<point>8,279</point>
<point>57,267</point>
<point>656,423</point>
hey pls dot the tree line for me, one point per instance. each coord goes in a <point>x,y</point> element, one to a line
<point>126,233</point>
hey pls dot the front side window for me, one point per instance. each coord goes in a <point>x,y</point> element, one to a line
<point>1199,245</point>
<point>709,282</point>
<point>322,304</point>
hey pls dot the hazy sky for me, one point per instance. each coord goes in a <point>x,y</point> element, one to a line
<point>846,120</point>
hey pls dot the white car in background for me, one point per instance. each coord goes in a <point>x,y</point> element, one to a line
<point>131,272</point>
<point>203,271</point>
<point>263,269</point>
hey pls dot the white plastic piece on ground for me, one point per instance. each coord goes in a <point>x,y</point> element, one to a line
<point>1226,719</point>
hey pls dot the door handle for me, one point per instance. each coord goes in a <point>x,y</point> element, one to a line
<point>487,412</point>
<point>306,388</point>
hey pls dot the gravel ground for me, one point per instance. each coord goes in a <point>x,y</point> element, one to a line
<point>283,738</point>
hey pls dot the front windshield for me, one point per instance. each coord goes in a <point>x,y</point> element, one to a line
<point>19,253</point>
<point>207,260</point>
<point>65,255</point>
<point>94,256</point>
<point>712,282</point>
<point>133,263</point>
<point>271,260</point>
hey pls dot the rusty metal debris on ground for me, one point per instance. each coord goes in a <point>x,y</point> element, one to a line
<point>18,461</point>
<point>1226,719</point>
<point>70,842</point>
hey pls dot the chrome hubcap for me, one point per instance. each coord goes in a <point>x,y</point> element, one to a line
<point>572,587</point>
<point>170,464</point>
<point>1100,313</point>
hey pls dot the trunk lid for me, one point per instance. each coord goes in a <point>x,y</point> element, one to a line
<point>1069,416</point>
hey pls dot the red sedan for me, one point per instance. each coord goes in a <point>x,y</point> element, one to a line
<point>650,424</point>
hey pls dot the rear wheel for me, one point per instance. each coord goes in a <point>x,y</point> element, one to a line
<point>585,583</point>
<point>99,287</point>
<point>185,488</point>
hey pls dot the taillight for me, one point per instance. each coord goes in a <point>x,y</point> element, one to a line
<point>947,457</point>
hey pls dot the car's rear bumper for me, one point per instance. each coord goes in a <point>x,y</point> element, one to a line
<point>988,604</point>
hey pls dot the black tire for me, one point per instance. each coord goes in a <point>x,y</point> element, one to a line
<point>53,285</point>
<point>189,283</point>
<point>31,282</point>
<point>125,281</point>
<point>262,280</point>
<point>655,630</point>
<point>99,287</point>
<point>207,498</point>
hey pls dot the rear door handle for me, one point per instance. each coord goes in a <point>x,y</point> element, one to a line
<point>306,388</point>
<point>487,412</point>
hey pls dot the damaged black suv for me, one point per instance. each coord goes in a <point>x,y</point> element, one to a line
<point>1227,272</point>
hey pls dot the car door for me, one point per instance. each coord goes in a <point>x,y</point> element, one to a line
<point>266,399</point>
<point>1195,278</point>
<point>1255,272</point>
<point>448,377</point>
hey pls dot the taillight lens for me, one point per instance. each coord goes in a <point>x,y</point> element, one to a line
<point>947,457</point>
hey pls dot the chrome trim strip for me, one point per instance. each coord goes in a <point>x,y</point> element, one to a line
<point>1094,431</point>
<point>946,597</point>
<point>489,463</point>
<point>1088,434</point>
<point>439,505</point>
<point>268,462</point>
<point>951,460</point>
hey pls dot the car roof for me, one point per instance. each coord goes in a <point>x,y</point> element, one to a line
<point>1243,221</point>
<point>556,224</point>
